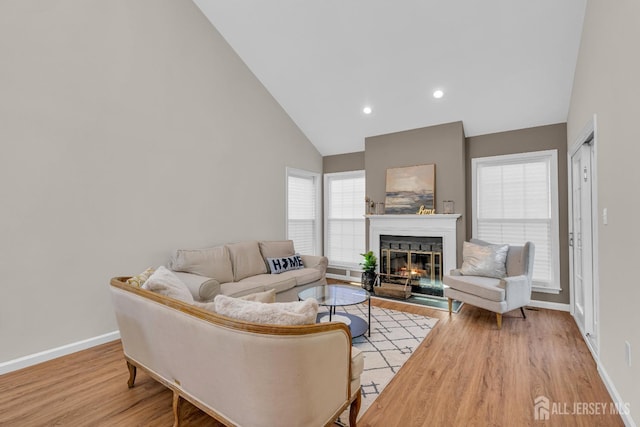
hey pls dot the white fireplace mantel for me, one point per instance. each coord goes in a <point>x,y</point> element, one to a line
<point>437,225</point>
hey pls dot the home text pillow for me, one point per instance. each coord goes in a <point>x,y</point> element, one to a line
<point>276,249</point>
<point>164,282</point>
<point>266,296</point>
<point>277,313</point>
<point>139,279</point>
<point>280,265</point>
<point>484,260</point>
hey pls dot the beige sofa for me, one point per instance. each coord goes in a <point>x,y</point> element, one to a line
<point>240,373</point>
<point>238,269</point>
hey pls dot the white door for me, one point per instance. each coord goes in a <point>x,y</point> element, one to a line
<point>581,238</point>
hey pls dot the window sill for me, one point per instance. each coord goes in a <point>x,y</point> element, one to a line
<point>546,290</point>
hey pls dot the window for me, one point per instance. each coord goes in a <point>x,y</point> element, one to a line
<point>515,199</point>
<point>303,211</point>
<point>344,218</point>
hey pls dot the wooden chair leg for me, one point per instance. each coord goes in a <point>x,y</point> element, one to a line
<point>450,302</point>
<point>132,374</point>
<point>355,408</point>
<point>177,408</point>
<point>499,320</point>
<point>522,311</point>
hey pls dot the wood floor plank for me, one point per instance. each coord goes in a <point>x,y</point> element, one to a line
<point>465,373</point>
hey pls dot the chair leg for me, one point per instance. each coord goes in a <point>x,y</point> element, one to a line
<point>499,320</point>
<point>355,408</point>
<point>450,301</point>
<point>177,409</point>
<point>132,374</point>
<point>522,311</point>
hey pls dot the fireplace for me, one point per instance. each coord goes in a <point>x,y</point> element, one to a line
<point>417,248</point>
<point>417,260</point>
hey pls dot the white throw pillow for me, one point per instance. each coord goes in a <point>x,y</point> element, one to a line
<point>164,282</point>
<point>278,313</point>
<point>484,260</point>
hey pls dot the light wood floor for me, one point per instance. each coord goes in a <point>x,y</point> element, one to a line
<point>466,373</point>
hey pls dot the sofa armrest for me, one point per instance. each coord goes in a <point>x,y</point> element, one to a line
<point>202,288</point>
<point>317,262</point>
<point>517,290</point>
<point>455,272</point>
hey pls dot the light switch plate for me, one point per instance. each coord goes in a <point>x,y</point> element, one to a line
<point>605,216</point>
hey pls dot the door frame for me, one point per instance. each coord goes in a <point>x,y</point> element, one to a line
<point>590,129</point>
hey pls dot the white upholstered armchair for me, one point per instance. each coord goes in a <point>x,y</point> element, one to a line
<point>488,287</point>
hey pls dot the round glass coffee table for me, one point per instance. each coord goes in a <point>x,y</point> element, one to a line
<point>333,296</point>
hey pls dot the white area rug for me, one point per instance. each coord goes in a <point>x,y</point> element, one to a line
<point>394,337</point>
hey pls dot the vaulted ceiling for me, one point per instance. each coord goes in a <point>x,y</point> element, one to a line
<point>502,64</point>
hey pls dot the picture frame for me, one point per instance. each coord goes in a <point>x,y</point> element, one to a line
<point>411,189</point>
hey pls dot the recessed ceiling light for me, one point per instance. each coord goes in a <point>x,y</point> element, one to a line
<point>367,110</point>
<point>438,94</point>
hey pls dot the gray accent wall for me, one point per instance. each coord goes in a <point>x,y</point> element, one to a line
<point>128,129</point>
<point>551,137</point>
<point>442,145</point>
<point>606,84</point>
<point>446,146</point>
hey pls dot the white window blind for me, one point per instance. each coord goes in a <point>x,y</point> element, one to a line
<point>515,200</point>
<point>344,195</point>
<point>303,218</point>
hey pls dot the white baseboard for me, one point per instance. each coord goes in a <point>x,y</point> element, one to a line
<point>54,353</point>
<point>550,305</point>
<point>615,396</point>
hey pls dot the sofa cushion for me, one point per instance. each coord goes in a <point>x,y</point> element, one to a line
<point>484,260</point>
<point>484,287</point>
<point>279,313</point>
<point>164,282</point>
<point>303,276</point>
<point>288,263</point>
<point>276,249</point>
<point>266,296</point>
<point>270,281</point>
<point>238,289</point>
<point>246,259</point>
<point>211,262</point>
<point>139,279</point>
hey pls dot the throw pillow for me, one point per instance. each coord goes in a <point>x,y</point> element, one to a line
<point>209,306</point>
<point>164,282</point>
<point>276,249</point>
<point>277,313</point>
<point>484,260</point>
<point>266,296</point>
<point>139,279</point>
<point>280,265</point>
<point>246,259</point>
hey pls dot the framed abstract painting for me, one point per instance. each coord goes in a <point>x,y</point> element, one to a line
<point>411,190</point>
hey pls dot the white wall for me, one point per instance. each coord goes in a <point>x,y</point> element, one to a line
<point>127,129</point>
<point>607,84</point>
